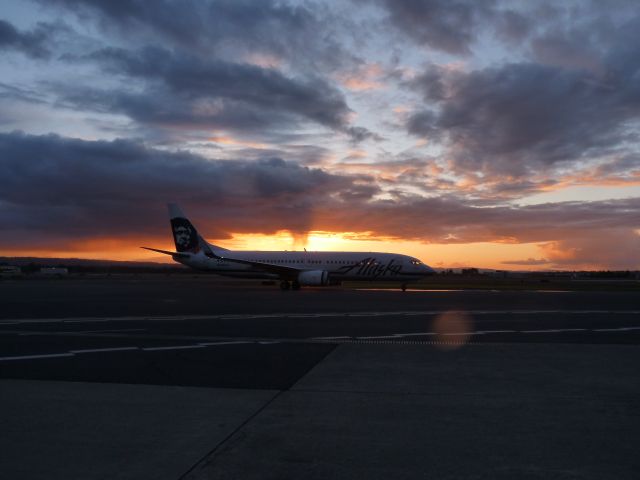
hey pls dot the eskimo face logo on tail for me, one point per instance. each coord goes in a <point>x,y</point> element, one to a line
<point>184,235</point>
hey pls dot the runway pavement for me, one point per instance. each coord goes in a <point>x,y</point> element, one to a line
<point>500,365</point>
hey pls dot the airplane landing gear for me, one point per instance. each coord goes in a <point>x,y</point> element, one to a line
<point>404,287</point>
<point>284,285</point>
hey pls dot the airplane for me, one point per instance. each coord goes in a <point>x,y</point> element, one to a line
<point>294,269</point>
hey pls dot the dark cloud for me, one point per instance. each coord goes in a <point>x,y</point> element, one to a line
<point>572,49</point>
<point>184,90</point>
<point>195,23</point>
<point>214,65</point>
<point>449,220</point>
<point>627,165</point>
<point>57,189</point>
<point>34,44</point>
<point>583,231</point>
<point>194,77</point>
<point>13,92</point>
<point>302,34</point>
<point>513,27</point>
<point>159,107</point>
<point>424,123</point>
<point>449,26</point>
<point>518,118</point>
<point>360,134</point>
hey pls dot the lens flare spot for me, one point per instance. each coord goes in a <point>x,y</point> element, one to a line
<point>453,329</point>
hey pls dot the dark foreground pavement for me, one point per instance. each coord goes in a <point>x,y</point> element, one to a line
<point>365,411</point>
<point>527,412</point>
<point>170,379</point>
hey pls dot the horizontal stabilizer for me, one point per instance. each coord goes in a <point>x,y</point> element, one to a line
<point>166,252</point>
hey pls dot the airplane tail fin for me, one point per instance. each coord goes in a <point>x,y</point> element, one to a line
<point>185,234</point>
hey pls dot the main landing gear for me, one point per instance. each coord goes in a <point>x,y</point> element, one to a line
<point>286,285</point>
<point>404,287</point>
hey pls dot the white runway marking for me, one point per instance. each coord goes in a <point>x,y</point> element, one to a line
<point>619,329</point>
<point>555,330</point>
<point>185,318</point>
<point>377,336</point>
<point>84,320</point>
<point>110,331</point>
<point>173,347</point>
<point>34,357</point>
<point>419,334</point>
<point>482,332</point>
<point>72,353</point>
<point>97,350</point>
<point>331,338</point>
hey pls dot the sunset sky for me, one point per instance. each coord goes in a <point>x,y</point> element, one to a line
<point>491,134</point>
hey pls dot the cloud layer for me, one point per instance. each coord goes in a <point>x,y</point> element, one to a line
<point>60,190</point>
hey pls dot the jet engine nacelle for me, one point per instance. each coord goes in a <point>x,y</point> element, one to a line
<point>314,277</point>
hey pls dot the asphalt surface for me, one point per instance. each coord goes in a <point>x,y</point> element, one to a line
<point>499,365</point>
<point>207,295</point>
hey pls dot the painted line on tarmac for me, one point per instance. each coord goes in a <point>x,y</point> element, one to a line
<point>620,329</point>
<point>482,332</point>
<point>152,318</point>
<point>396,338</point>
<point>110,331</point>
<point>400,336</point>
<point>36,357</point>
<point>555,330</point>
<point>331,338</point>
<point>72,353</point>
<point>97,350</point>
<point>377,336</point>
<point>415,334</point>
<point>172,347</point>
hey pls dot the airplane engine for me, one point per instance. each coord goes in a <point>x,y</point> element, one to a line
<point>314,277</point>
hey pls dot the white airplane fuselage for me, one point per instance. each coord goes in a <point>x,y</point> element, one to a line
<point>338,265</point>
<point>293,268</point>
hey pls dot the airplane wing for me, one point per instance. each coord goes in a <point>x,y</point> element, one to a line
<point>288,273</point>
<point>284,272</point>
<point>166,252</point>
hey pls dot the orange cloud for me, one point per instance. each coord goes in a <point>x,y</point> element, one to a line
<point>367,77</point>
<point>234,142</point>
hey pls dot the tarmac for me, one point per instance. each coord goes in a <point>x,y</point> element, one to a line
<point>168,378</point>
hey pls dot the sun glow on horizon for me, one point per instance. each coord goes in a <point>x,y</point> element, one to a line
<point>485,255</point>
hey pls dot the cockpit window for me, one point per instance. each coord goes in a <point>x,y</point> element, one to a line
<point>415,262</point>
